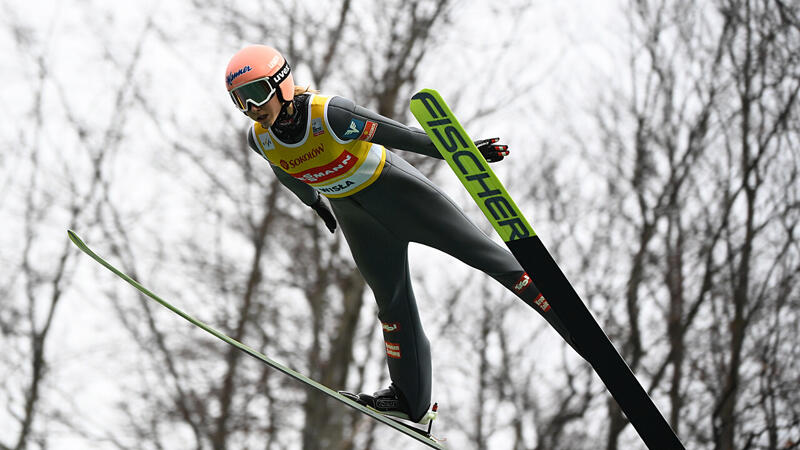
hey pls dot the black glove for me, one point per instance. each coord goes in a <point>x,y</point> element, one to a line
<point>327,216</point>
<point>491,151</point>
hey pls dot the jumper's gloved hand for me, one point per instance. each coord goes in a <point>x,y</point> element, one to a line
<point>491,151</point>
<point>325,213</point>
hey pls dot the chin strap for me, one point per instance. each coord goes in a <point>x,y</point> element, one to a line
<point>284,118</point>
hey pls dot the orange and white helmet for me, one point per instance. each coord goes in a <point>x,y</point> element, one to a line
<point>255,74</point>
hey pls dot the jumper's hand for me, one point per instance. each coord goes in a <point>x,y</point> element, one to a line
<point>325,213</point>
<point>491,151</point>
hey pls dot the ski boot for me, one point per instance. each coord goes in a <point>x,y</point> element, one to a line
<point>389,402</point>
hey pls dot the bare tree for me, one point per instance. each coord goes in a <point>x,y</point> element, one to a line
<point>710,116</point>
<point>761,49</point>
<point>57,195</point>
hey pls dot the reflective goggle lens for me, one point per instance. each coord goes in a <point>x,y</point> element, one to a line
<point>256,92</point>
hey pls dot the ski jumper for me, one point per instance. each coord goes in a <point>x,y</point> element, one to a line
<point>382,203</point>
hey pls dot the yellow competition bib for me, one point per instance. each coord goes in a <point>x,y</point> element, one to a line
<point>334,167</point>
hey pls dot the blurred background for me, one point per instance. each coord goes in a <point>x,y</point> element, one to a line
<point>655,147</point>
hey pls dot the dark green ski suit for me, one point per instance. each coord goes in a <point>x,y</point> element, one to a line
<point>399,207</point>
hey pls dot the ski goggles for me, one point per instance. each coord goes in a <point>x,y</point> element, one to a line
<point>260,91</point>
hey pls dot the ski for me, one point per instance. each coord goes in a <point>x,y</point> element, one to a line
<point>408,430</point>
<point>478,178</point>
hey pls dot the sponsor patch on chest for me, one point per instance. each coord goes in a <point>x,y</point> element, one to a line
<point>316,126</point>
<point>337,167</point>
<point>302,159</point>
<point>266,141</point>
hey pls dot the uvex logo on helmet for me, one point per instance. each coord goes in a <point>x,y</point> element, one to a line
<point>233,75</point>
<point>282,74</point>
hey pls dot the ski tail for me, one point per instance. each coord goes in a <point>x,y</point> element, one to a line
<point>430,442</point>
<point>460,152</point>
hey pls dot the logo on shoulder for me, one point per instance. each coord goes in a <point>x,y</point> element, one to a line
<point>354,130</point>
<point>234,75</point>
<point>316,126</point>
<point>369,131</point>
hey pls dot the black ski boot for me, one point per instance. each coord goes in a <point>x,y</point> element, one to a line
<point>389,401</point>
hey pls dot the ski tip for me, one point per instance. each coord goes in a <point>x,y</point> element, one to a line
<point>424,91</point>
<point>75,239</point>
